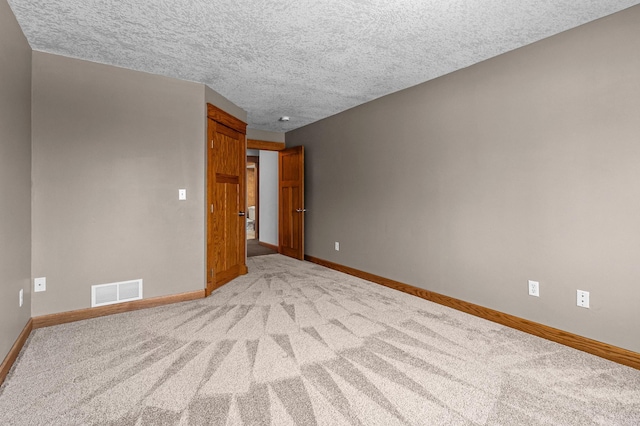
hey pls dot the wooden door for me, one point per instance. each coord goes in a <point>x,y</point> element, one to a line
<point>226,226</point>
<point>291,206</point>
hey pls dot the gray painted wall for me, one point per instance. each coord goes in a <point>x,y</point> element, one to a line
<point>265,135</point>
<point>525,166</point>
<point>214,98</point>
<point>268,197</point>
<point>15,178</point>
<point>111,148</point>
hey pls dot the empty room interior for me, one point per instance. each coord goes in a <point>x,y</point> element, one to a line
<point>466,231</point>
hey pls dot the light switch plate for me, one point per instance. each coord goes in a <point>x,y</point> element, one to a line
<point>182,194</point>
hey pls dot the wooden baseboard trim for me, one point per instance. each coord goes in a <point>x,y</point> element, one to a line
<point>594,347</point>
<point>83,314</point>
<point>15,351</point>
<point>267,245</point>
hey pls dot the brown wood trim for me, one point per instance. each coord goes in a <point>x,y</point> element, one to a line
<point>267,245</point>
<point>11,357</point>
<point>83,314</point>
<point>222,178</point>
<point>264,145</point>
<point>594,347</point>
<point>226,119</point>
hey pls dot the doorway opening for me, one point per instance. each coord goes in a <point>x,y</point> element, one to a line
<point>253,197</point>
<point>265,157</point>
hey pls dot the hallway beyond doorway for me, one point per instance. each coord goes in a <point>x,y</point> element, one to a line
<point>254,248</point>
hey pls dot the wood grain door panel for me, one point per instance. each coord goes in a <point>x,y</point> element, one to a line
<point>226,164</point>
<point>291,208</point>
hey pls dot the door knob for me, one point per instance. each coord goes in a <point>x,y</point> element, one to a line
<point>301,210</point>
<point>240,213</point>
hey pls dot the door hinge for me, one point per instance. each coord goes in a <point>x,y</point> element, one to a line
<point>211,143</point>
<point>211,273</point>
<point>211,208</point>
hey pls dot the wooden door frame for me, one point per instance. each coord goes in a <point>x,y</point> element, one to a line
<point>225,119</point>
<point>265,145</point>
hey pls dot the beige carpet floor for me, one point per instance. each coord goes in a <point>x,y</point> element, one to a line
<point>293,343</point>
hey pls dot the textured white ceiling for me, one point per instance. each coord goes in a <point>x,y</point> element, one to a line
<point>307,59</point>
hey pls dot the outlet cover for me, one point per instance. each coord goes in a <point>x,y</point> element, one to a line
<point>40,284</point>
<point>534,288</point>
<point>583,298</point>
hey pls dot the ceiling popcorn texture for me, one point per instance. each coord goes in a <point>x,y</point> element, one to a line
<point>307,59</point>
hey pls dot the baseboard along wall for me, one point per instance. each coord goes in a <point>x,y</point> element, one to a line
<point>269,246</point>
<point>594,347</point>
<point>83,314</point>
<point>15,351</point>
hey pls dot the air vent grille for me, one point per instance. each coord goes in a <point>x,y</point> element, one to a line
<point>108,294</point>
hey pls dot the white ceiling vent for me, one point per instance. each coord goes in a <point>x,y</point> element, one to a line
<point>108,294</point>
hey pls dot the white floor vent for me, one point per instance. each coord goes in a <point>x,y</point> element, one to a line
<point>108,294</point>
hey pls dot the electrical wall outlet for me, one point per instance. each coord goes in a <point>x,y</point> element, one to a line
<point>40,284</point>
<point>337,246</point>
<point>21,297</point>
<point>583,298</point>
<point>534,288</point>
